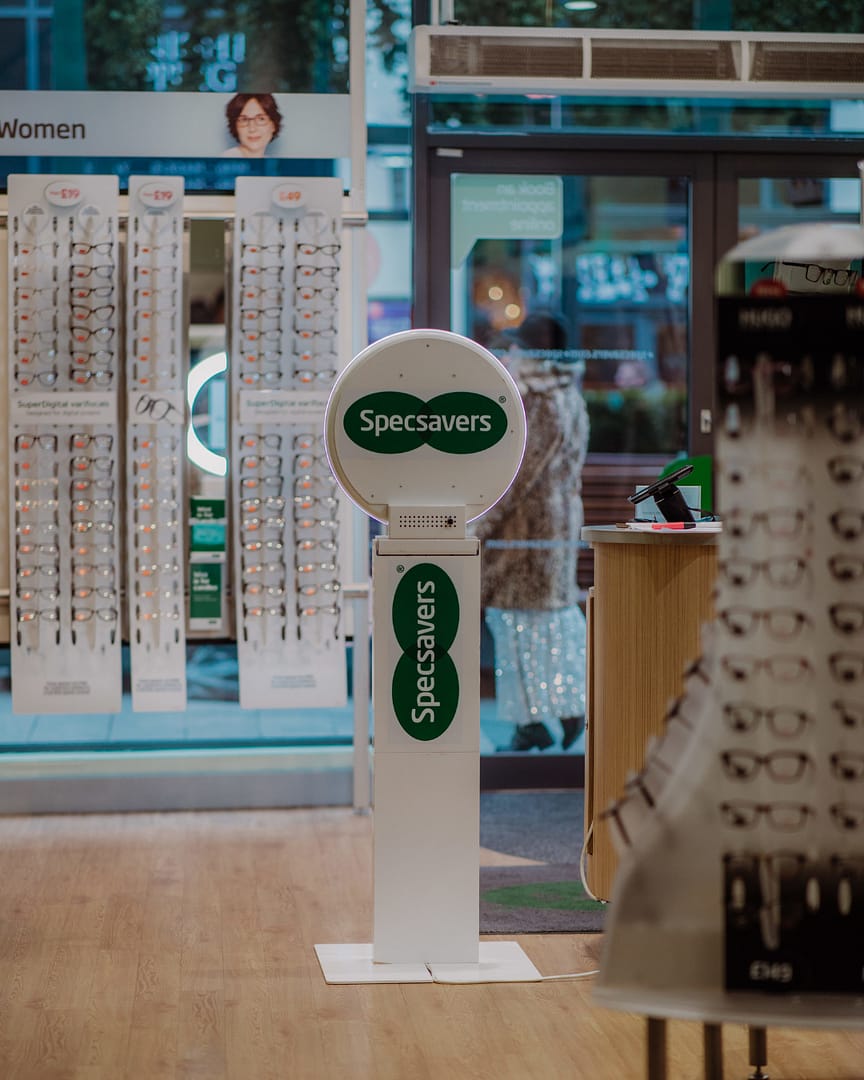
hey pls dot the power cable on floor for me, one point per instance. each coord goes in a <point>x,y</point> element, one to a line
<point>573,975</point>
<point>583,855</point>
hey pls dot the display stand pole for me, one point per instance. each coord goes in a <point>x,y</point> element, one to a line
<point>655,1034</point>
<point>712,1050</point>
<point>758,1041</point>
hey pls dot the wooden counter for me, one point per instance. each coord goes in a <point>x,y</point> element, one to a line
<point>651,595</point>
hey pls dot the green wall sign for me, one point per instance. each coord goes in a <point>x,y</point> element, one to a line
<point>425,690</point>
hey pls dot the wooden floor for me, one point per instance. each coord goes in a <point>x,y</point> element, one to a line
<point>141,947</point>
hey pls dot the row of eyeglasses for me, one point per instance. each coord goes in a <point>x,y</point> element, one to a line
<point>39,581</point>
<point>787,590</point>
<point>157,583</point>
<point>155,322</point>
<point>94,534</point>
<point>154,328</point>
<point>272,596</point>
<point>65,306</point>
<point>289,301</point>
<point>157,573</point>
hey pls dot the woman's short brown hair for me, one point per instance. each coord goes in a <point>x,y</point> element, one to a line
<point>239,102</point>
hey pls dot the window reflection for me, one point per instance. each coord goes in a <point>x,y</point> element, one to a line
<point>771,202</point>
<point>619,272</point>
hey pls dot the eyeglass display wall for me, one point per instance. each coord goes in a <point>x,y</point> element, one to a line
<point>63,374</point>
<point>90,355</point>
<point>740,894</point>
<point>286,280</point>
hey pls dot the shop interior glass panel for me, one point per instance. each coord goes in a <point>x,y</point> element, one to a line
<point>771,202</point>
<point>610,267</point>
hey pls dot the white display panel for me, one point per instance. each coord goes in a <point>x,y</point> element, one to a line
<point>64,349</point>
<point>155,443</point>
<point>426,614</point>
<point>427,881</point>
<point>288,517</point>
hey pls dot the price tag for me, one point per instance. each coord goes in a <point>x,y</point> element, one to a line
<point>288,197</point>
<point>63,193</point>
<point>157,195</point>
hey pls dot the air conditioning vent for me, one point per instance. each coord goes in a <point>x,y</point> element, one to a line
<point>492,58</point>
<point>779,62</point>
<point>543,60</point>
<point>695,61</point>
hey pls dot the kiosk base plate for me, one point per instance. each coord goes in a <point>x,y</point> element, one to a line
<point>500,961</point>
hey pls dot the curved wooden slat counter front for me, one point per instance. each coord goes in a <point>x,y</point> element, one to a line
<point>651,595</point>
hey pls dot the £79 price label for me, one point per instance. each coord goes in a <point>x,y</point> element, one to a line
<point>156,195</point>
<point>63,194</point>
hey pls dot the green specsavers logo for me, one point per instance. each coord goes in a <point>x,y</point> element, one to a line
<point>425,682</point>
<point>392,422</point>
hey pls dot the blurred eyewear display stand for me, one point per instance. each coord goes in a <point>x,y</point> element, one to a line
<point>740,891</point>
<point>425,431</point>
<point>64,444</point>
<point>288,521</point>
<point>155,443</point>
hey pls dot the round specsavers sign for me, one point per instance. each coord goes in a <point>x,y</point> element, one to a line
<point>425,418</point>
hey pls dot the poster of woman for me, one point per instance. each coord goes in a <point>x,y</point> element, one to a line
<point>254,121</point>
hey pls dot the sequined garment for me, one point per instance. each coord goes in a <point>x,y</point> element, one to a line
<point>539,663</point>
<point>531,539</point>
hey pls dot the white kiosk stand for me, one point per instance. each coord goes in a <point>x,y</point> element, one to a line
<point>425,431</point>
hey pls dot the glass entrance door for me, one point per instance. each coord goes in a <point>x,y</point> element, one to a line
<point>580,278</point>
